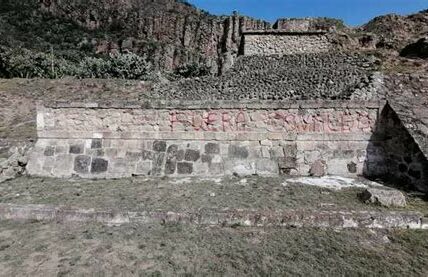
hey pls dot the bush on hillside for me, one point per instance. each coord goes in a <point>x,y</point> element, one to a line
<point>24,63</point>
<point>130,66</point>
<point>122,66</point>
<point>193,70</point>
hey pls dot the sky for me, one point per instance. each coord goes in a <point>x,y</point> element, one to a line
<point>353,12</point>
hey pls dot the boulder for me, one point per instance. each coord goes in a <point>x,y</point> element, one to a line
<point>318,168</point>
<point>384,197</point>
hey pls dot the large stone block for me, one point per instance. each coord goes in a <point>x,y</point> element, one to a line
<point>35,164</point>
<point>206,158</point>
<point>290,149</point>
<point>266,167</point>
<point>82,163</point>
<point>158,163</point>
<point>384,197</point>
<point>76,149</point>
<point>99,165</point>
<point>96,144</point>
<point>184,168</point>
<point>318,168</point>
<point>63,166</point>
<point>339,167</point>
<point>172,151</point>
<point>122,167</point>
<point>238,152</point>
<point>170,167</point>
<point>212,148</point>
<point>49,164</point>
<point>159,146</point>
<point>192,155</point>
<point>171,159</point>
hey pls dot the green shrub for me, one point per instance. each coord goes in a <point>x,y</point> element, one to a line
<point>123,66</point>
<point>193,70</point>
<point>129,66</point>
<point>91,67</point>
<point>23,63</point>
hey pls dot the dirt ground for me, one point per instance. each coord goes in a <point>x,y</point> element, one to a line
<point>187,194</point>
<point>42,249</point>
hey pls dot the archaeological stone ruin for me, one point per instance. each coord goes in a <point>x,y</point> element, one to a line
<point>291,105</point>
<point>277,42</point>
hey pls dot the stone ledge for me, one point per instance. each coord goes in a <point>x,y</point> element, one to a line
<point>205,136</point>
<point>245,218</point>
<point>196,105</point>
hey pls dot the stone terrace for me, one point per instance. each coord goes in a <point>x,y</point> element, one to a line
<point>306,76</point>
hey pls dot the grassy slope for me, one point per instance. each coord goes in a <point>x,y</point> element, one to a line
<point>39,249</point>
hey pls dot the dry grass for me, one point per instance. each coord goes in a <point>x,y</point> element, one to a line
<point>39,249</point>
<point>188,194</point>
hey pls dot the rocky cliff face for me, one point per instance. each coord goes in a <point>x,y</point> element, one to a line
<point>396,31</point>
<point>171,33</point>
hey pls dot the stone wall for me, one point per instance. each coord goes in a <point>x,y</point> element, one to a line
<point>285,43</point>
<point>308,24</point>
<point>194,138</point>
<point>405,164</point>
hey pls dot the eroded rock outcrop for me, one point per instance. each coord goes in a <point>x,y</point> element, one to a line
<point>396,31</point>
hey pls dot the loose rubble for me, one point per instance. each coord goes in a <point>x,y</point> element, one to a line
<point>15,164</point>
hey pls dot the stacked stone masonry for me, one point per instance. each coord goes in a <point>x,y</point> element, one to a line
<point>190,138</point>
<point>266,139</point>
<point>280,43</point>
<point>405,159</point>
<point>308,24</point>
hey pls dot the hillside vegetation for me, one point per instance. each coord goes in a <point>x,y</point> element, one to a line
<point>53,41</point>
<point>131,39</point>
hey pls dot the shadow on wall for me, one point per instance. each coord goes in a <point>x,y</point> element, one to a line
<point>393,155</point>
